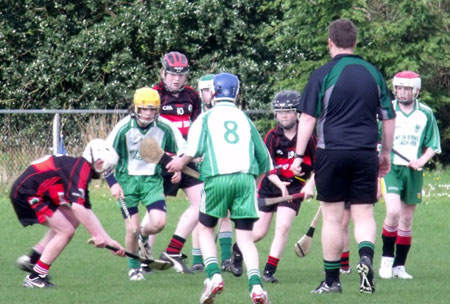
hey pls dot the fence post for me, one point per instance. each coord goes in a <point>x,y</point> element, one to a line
<point>56,133</point>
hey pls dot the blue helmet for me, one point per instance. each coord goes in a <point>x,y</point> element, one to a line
<point>226,87</point>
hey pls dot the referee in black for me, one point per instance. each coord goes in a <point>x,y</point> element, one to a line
<point>344,97</point>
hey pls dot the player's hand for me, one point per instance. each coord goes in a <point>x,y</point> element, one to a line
<point>176,164</point>
<point>117,191</point>
<point>308,190</point>
<point>176,178</point>
<point>120,252</point>
<point>296,167</point>
<point>384,164</point>
<point>98,241</point>
<point>416,164</point>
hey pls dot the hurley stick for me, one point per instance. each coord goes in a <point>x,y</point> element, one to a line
<point>151,152</point>
<point>403,157</point>
<point>127,213</point>
<point>275,200</point>
<point>303,245</point>
<point>155,264</point>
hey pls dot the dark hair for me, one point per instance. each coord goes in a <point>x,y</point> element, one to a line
<point>343,33</point>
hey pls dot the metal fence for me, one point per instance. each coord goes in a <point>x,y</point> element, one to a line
<point>27,135</point>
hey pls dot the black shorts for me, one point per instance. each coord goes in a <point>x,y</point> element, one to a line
<point>186,181</point>
<point>346,175</point>
<point>29,216</point>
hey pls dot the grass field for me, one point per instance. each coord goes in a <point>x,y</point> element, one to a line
<point>84,274</point>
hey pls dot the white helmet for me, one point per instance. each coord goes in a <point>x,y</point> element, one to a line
<point>99,149</point>
<point>407,79</point>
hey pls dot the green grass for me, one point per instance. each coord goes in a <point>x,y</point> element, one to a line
<point>84,274</point>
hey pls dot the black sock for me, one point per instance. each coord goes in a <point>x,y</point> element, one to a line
<point>401,254</point>
<point>331,271</point>
<point>34,256</point>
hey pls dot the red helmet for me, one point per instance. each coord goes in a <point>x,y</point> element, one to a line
<point>175,63</point>
<point>407,79</point>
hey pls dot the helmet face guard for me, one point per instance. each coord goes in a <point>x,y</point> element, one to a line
<point>146,98</point>
<point>286,101</point>
<point>407,79</point>
<point>174,63</point>
<point>206,82</point>
<point>226,87</point>
<point>99,149</point>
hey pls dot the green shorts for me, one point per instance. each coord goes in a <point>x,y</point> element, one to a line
<point>235,192</point>
<point>405,182</point>
<point>146,189</point>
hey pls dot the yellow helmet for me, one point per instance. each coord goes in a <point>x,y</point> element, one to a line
<point>146,98</point>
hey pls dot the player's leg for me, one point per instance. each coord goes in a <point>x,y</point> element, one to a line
<point>403,242</point>
<point>214,206</point>
<point>244,238</point>
<point>284,218</point>
<point>185,226</point>
<point>261,226</point>
<point>225,237</point>
<point>365,236</point>
<point>27,262</point>
<point>332,244</point>
<point>214,283</point>
<point>244,214</point>
<point>345,256</point>
<point>389,234</point>
<point>197,258</point>
<point>64,231</point>
<point>131,243</point>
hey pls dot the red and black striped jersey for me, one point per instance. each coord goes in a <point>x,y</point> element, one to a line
<point>282,152</point>
<point>181,110</point>
<point>61,179</point>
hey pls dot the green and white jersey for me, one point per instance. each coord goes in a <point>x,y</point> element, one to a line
<point>127,135</point>
<point>414,132</point>
<point>228,142</point>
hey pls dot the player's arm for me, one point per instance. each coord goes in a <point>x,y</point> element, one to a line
<point>89,220</point>
<point>114,139</point>
<point>306,127</point>
<point>388,129</point>
<point>195,132</point>
<point>422,160</point>
<point>308,188</point>
<point>275,179</point>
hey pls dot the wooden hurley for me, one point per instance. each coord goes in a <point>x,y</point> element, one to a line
<point>151,152</point>
<point>275,200</point>
<point>303,245</point>
<point>155,264</point>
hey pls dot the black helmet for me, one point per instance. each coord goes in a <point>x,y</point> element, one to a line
<point>175,63</point>
<point>286,100</point>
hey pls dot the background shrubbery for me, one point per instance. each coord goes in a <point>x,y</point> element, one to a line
<point>93,54</point>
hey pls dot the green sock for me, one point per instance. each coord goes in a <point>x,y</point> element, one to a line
<point>133,263</point>
<point>225,239</point>
<point>254,278</point>
<point>212,266</point>
<point>197,254</point>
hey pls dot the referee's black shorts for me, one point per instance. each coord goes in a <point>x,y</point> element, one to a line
<point>186,181</point>
<point>346,175</point>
